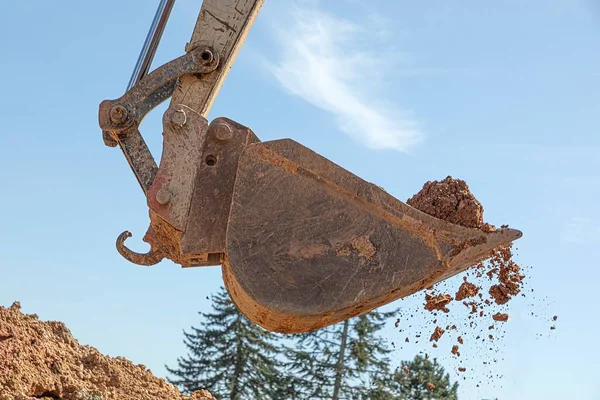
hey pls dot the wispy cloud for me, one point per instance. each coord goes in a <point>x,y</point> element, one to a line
<point>326,60</point>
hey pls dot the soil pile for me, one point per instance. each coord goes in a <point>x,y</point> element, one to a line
<point>42,360</point>
<point>450,200</point>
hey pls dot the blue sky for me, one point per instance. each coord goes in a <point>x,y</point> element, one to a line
<point>501,94</point>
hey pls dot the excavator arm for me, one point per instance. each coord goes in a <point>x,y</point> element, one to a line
<point>302,242</point>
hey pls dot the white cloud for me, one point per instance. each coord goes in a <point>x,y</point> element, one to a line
<point>333,64</point>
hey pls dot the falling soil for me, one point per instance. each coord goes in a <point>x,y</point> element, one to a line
<point>437,334</point>
<point>455,350</point>
<point>42,360</point>
<point>466,290</point>
<point>501,317</point>
<point>499,294</point>
<point>451,200</point>
<point>438,302</point>
<point>485,290</point>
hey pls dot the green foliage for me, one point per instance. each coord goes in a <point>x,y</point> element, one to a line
<point>236,359</point>
<point>229,356</point>
<point>348,359</point>
<point>422,379</point>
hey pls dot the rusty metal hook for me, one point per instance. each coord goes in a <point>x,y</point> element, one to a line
<point>148,259</point>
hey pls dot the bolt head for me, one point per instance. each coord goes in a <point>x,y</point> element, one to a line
<point>222,132</point>
<point>118,114</point>
<point>178,117</point>
<point>163,196</point>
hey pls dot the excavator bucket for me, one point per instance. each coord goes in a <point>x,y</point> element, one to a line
<point>309,244</point>
<point>302,242</point>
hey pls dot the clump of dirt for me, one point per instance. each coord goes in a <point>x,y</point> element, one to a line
<point>437,302</point>
<point>437,334</point>
<point>499,294</point>
<point>466,290</point>
<point>455,350</point>
<point>450,200</point>
<point>42,360</point>
<point>500,317</point>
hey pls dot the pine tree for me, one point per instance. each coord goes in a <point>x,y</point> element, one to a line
<point>422,379</point>
<point>230,356</point>
<point>344,361</point>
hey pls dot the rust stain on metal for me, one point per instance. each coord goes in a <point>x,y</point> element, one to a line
<point>273,158</point>
<point>364,246</point>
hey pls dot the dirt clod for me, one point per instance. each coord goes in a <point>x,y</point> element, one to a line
<point>501,317</point>
<point>466,290</point>
<point>455,350</point>
<point>43,360</point>
<point>437,334</point>
<point>500,294</point>
<point>437,302</point>
<point>450,200</point>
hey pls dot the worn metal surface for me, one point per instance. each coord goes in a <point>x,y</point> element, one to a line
<point>190,197</point>
<point>223,25</point>
<point>120,119</point>
<point>220,31</point>
<point>213,189</point>
<point>184,134</point>
<point>309,244</point>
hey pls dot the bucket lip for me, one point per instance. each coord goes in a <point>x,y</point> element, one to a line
<point>470,256</point>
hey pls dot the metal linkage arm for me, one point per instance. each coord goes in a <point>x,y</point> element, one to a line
<point>120,119</point>
<point>223,25</point>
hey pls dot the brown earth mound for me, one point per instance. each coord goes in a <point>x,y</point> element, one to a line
<point>42,360</point>
<point>450,200</point>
